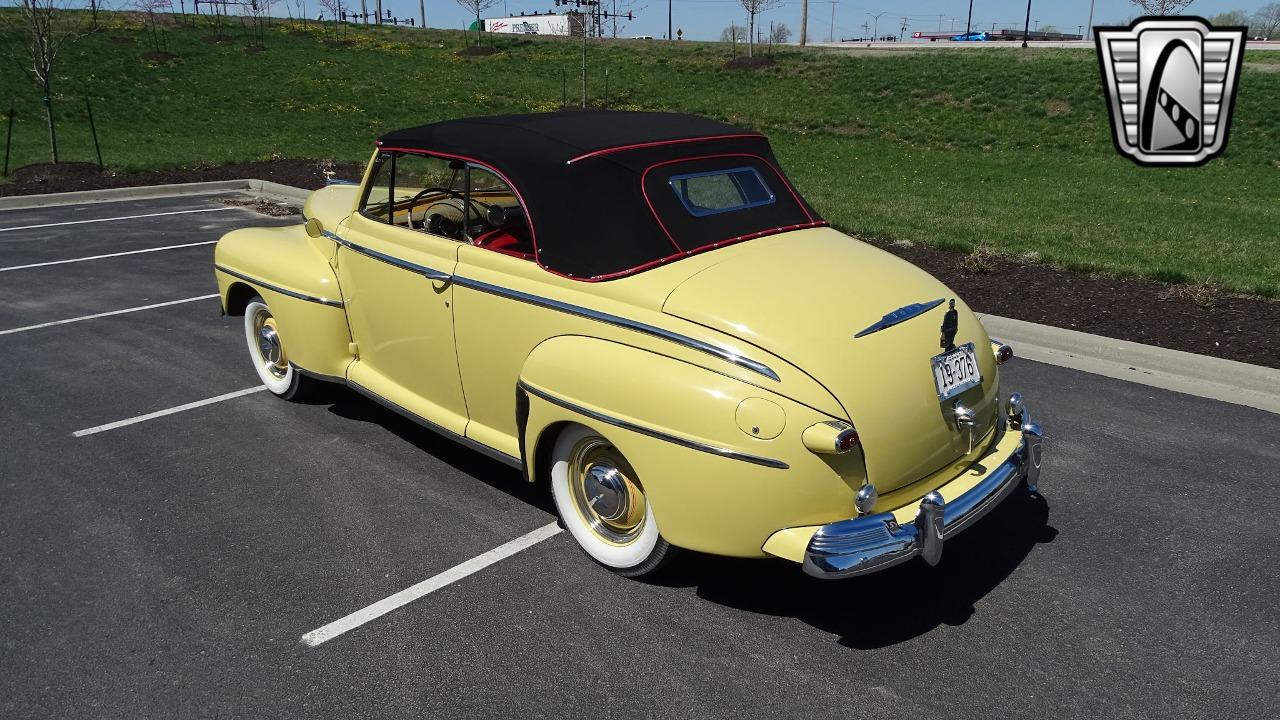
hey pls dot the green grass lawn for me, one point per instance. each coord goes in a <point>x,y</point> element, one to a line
<point>1002,148</point>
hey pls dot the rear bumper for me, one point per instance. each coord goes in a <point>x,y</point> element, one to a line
<point>848,548</point>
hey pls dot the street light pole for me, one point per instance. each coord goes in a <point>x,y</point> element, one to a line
<point>804,22</point>
<point>1026,27</point>
<point>669,38</point>
<point>969,22</point>
<point>1090,25</point>
<point>876,33</point>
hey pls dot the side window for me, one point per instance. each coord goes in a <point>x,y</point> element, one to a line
<point>498,220</point>
<point>417,192</point>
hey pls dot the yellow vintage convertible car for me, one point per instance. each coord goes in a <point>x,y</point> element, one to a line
<point>641,311</point>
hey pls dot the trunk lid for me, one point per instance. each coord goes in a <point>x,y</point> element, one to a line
<point>804,295</point>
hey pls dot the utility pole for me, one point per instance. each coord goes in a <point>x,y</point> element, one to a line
<point>1037,26</point>
<point>903,31</point>
<point>669,37</point>
<point>804,22</point>
<point>969,22</point>
<point>831,34</point>
<point>1026,25</point>
<point>866,27</point>
<point>1090,25</point>
<point>940,16</point>
<point>876,32</point>
<point>422,10</point>
<point>615,19</point>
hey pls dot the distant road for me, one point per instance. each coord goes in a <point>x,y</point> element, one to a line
<point>947,44</point>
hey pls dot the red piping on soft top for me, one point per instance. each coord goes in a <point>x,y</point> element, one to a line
<point>658,143</point>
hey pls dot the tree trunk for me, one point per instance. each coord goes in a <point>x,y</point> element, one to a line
<point>48,114</point>
<point>378,19</point>
<point>751,33</point>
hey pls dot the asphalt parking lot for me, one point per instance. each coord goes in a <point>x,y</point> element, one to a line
<point>169,567</point>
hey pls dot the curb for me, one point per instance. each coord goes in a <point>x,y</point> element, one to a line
<point>286,193</point>
<point>1209,377</point>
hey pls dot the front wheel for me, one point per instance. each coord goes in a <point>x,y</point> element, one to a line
<point>267,351</point>
<point>603,505</point>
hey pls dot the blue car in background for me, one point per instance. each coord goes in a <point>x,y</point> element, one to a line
<point>971,37</point>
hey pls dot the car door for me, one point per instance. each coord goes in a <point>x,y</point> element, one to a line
<point>395,277</point>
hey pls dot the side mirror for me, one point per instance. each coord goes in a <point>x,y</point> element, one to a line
<point>314,227</point>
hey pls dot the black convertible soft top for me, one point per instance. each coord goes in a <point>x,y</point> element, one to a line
<point>595,184</point>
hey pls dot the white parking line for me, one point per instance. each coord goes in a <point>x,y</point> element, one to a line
<point>10,331</point>
<point>108,255</point>
<point>122,217</point>
<point>430,585</point>
<point>170,411</point>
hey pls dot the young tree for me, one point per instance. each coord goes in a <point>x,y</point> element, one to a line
<point>41,29</point>
<point>477,8</point>
<point>1266,22</point>
<point>733,34</point>
<point>1161,7</point>
<point>333,8</point>
<point>780,34</point>
<point>754,8</point>
<point>150,26</point>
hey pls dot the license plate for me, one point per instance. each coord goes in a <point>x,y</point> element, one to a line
<point>955,371</point>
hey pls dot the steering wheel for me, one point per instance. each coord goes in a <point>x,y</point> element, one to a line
<point>481,209</point>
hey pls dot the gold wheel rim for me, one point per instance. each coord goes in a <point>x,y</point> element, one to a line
<point>605,492</point>
<point>268,345</point>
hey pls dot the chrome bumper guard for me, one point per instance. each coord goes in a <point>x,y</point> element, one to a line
<point>848,548</point>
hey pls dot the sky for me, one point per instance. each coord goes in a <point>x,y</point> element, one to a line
<point>704,19</point>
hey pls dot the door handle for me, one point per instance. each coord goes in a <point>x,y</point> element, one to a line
<point>434,275</point>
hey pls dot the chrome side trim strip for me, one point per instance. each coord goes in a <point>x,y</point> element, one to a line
<point>447,433</point>
<point>714,350</point>
<point>625,425</point>
<point>277,288</point>
<point>902,314</point>
<point>423,270</point>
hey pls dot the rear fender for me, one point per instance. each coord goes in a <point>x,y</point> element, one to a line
<point>713,485</point>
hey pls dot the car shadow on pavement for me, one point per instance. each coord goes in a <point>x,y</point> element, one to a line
<point>885,608</point>
<point>352,406</point>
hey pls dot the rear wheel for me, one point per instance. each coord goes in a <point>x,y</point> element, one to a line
<point>267,351</point>
<point>603,504</point>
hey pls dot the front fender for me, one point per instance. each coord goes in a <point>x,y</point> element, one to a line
<point>292,273</point>
<point>720,460</point>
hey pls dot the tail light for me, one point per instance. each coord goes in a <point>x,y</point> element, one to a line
<point>831,437</point>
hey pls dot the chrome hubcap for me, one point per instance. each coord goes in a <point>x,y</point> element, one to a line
<point>269,344</point>
<point>270,348</point>
<point>605,493</point>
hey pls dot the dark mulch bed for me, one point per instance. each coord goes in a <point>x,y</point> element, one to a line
<point>750,63</point>
<point>158,56</point>
<point>1190,318</point>
<point>473,50</point>
<point>65,177</point>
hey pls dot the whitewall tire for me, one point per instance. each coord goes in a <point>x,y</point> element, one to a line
<point>602,504</point>
<point>268,354</point>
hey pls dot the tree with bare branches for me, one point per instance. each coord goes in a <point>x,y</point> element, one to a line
<point>334,9</point>
<point>1266,22</point>
<point>754,8</point>
<point>151,27</point>
<point>477,8</point>
<point>1162,7</point>
<point>43,29</point>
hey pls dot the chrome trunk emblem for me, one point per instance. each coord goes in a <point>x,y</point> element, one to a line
<point>902,314</point>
